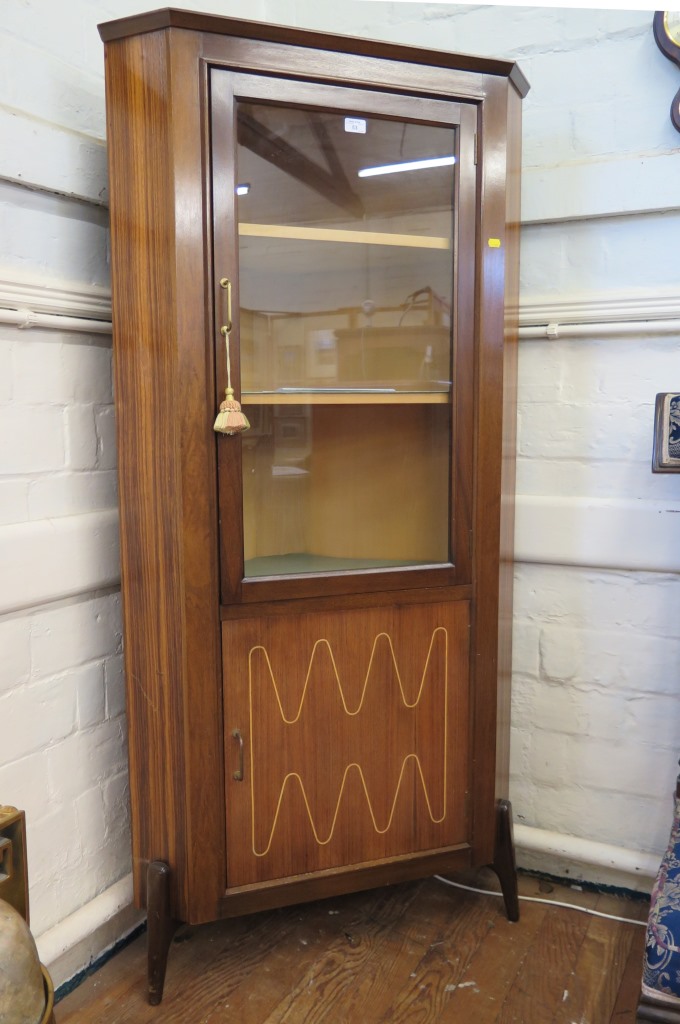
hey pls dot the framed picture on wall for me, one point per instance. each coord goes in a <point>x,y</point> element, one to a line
<point>666,457</point>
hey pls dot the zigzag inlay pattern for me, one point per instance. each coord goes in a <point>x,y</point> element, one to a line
<point>289,720</point>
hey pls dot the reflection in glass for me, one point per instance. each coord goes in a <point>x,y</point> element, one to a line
<point>345,338</point>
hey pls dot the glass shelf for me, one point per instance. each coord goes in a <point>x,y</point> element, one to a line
<point>303,563</point>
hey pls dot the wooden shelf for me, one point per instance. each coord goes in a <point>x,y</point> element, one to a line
<point>303,397</point>
<point>343,235</point>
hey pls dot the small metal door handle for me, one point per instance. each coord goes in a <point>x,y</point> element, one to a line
<point>225,284</point>
<point>238,776</point>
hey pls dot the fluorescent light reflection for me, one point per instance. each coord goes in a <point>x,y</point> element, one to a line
<point>242,190</point>
<point>408,165</point>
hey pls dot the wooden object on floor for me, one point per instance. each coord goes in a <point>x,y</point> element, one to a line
<point>420,951</point>
<point>298,733</point>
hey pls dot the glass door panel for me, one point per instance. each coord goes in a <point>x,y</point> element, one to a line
<point>345,247</point>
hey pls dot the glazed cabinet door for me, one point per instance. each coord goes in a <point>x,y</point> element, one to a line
<point>346,738</point>
<point>344,262</point>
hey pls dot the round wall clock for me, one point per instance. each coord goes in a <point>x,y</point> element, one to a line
<point>667,35</point>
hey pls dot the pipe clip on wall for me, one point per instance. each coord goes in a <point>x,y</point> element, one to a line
<point>26,319</point>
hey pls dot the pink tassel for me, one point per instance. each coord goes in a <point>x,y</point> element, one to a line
<point>230,419</point>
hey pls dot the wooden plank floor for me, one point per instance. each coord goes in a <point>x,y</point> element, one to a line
<point>418,953</point>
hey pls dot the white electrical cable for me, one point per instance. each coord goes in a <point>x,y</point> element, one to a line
<point>537,899</point>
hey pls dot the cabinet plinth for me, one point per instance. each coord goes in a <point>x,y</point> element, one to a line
<point>317,609</point>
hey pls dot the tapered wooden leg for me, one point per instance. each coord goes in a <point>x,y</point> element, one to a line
<point>160,927</point>
<point>504,859</point>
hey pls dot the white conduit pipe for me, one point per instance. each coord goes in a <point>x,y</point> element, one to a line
<point>587,851</point>
<point>26,318</point>
<point>555,331</point>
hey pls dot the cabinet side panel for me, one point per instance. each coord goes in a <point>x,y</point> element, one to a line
<point>509,441</point>
<point>144,372</point>
<point>492,511</point>
<point>163,403</point>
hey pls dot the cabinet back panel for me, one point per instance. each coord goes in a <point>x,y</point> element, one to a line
<point>370,482</point>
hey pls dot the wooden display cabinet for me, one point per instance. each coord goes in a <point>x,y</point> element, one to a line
<point>316,611</point>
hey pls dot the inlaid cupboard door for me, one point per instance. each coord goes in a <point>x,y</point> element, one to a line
<point>346,737</point>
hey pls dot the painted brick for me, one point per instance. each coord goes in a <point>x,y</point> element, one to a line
<point>15,652</point>
<point>600,257</point>
<point>525,648</point>
<point>90,695</point>
<point>13,501</point>
<point>611,818</point>
<point>601,371</point>
<point>579,431</point>
<point>116,795</point>
<point>106,438</point>
<point>81,437</point>
<point>31,438</point>
<point>625,661</point>
<point>23,784</point>
<point>54,854</point>
<point>115,686</point>
<point>558,708</point>
<point>616,601</point>
<point>597,714</point>
<point>90,820</point>
<point>542,367</point>
<point>59,33</point>
<point>541,32</point>
<point>83,758</point>
<point>61,369</point>
<point>71,493</point>
<point>610,370</point>
<point>117,811</point>
<point>53,236</point>
<point>6,366</point>
<point>55,92</point>
<point>62,826</point>
<point>520,746</point>
<point>113,862</point>
<point>606,766</point>
<point>75,633</point>
<point>70,35</point>
<point>597,478</point>
<point>40,714</point>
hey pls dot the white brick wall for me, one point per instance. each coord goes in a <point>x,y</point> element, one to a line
<point>61,709</point>
<point>62,752</point>
<point>597,652</point>
<point>596,711</point>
